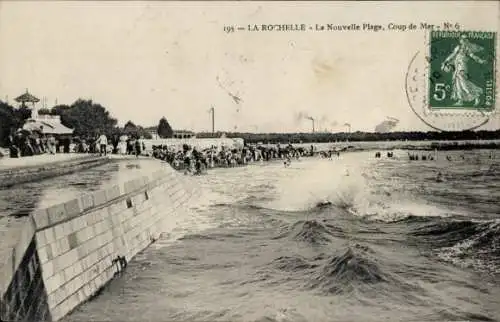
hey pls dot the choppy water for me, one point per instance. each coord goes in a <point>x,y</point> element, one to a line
<point>310,243</point>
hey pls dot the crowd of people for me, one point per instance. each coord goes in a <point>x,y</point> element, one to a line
<point>196,161</point>
<point>25,143</point>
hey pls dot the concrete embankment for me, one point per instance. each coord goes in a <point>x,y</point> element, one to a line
<point>67,252</point>
<point>20,170</point>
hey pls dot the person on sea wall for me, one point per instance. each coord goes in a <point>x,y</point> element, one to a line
<point>43,143</point>
<point>51,144</point>
<point>66,144</point>
<point>137,147</point>
<point>40,145</point>
<point>14,150</point>
<point>130,146</point>
<point>103,144</point>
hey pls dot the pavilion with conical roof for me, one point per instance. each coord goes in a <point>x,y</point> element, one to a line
<point>27,98</point>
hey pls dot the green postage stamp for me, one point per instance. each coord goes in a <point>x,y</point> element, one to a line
<point>462,70</point>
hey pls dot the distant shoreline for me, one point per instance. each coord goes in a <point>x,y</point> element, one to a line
<point>401,145</point>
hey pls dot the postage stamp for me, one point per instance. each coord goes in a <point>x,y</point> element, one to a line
<point>451,84</point>
<point>462,70</point>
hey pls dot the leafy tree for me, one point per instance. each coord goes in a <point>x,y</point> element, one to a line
<point>164,129</point>
<point>86,118</point>
<point>44,111</point>
<point>7,122</point>
<point>136,130</point>
<point>11,119</point>
<point>130,129</point>
<point>22,114</point>
<point>144,133</point>
<point>59,109</point>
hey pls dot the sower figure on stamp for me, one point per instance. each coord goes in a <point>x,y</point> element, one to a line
<point>463,89</point>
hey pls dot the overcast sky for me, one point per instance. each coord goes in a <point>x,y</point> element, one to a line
<point>145,60</point>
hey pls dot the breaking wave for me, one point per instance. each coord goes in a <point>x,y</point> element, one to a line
<point>466,243</point>
<point>346,271</point>
<point>314,232</point>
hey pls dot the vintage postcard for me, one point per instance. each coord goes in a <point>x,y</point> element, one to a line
<point>249,161</point>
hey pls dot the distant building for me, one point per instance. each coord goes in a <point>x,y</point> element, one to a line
<point>179,134</point>
<point>45,124</point>
<point>182,134</point>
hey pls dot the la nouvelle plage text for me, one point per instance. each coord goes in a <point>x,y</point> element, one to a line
<point>365,26</point>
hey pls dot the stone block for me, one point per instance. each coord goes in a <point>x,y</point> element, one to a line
<point>97,228</point>
<point>55,249</point>
<point>113,192</point>
<point>52,303</point>
<point>73,240</point>
<point>89,218</point>
<point>59,231</point>
<point>72,208</point>
<point>56,213</point>
<point>47,270</point>
<point>102,215</point>
<point>81,222</point>
<point>84,234</point>
<point>86,201</point>
<point>41,239</point>
<point>72,256</point>
<point>69,273</point>
<point>43,254</point>
<point>52,283</point>
<point>138,199</point>
<point>128,186</point>
<point>151,185</point>
<point>117,208</point>
<point>67,227</point>
<point>144,180</point>
<point>50,235</point>
<point>99,198</point>
<point>76,224</point>
<point>41,218</point>
<point>64,260</point>
<point>62,246</point>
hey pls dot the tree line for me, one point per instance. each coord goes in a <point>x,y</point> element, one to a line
<point>356,136</point>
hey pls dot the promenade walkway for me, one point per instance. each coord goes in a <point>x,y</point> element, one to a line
<point>7,163</point>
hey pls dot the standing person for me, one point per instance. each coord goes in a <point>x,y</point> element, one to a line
<point>52,144</point>
<point>130,146</point>
<point>103,144</point>
<point>137,148</point>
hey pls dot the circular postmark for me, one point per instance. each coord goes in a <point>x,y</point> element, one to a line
<point>451,83</point>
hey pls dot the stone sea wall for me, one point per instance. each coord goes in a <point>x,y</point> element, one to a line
<point>69,251</point>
